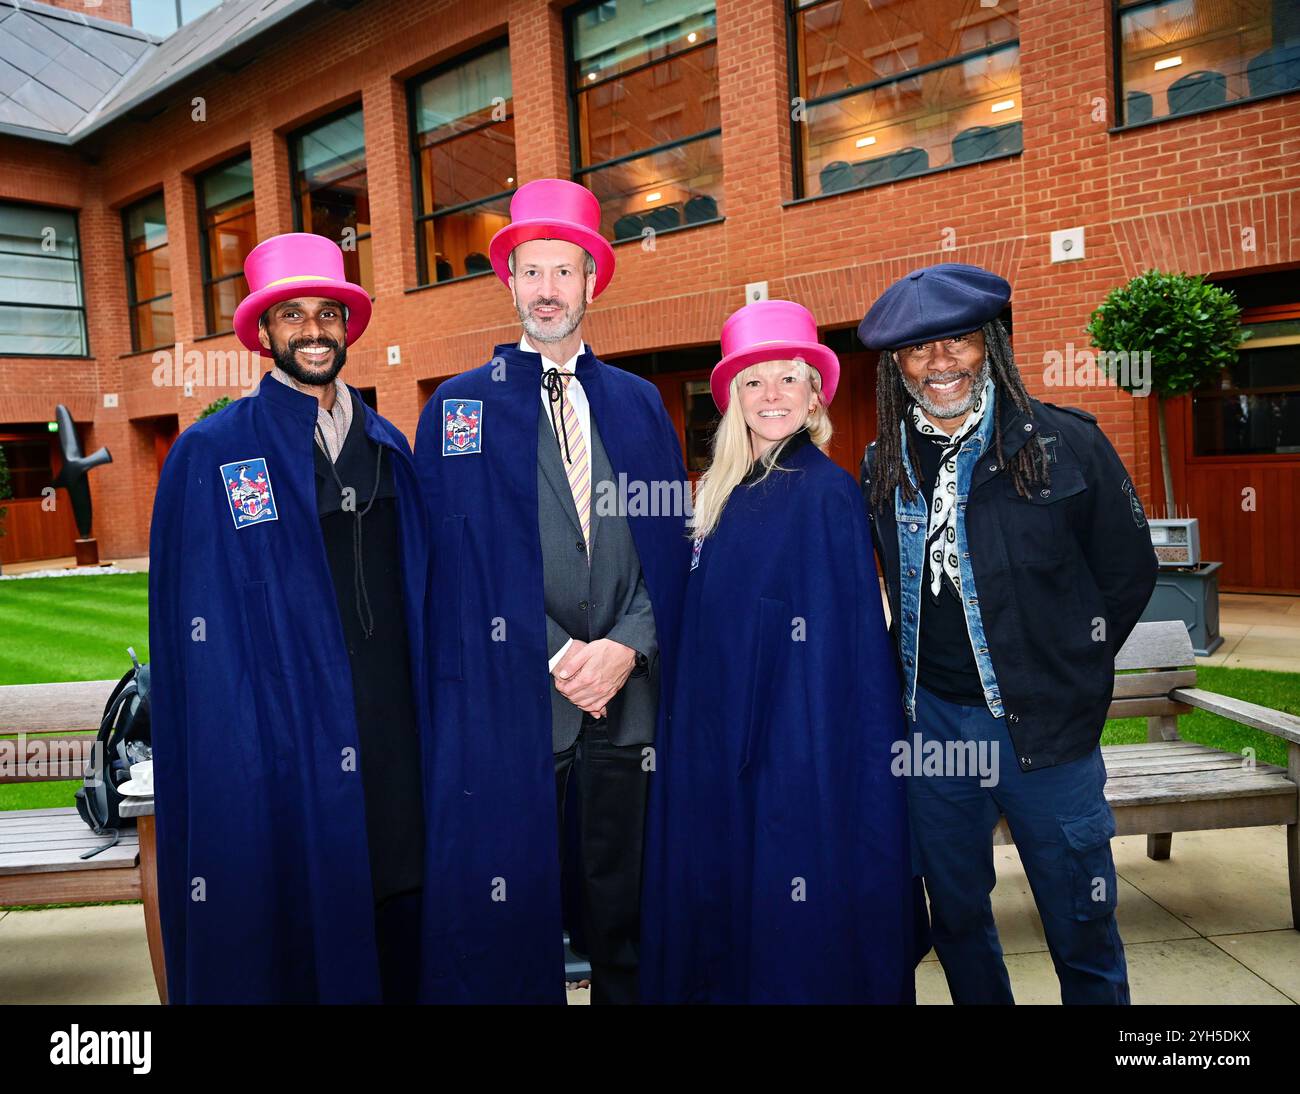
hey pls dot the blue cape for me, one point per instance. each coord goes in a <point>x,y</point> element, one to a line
<point>492,919</point>
<point>777,853</point>
<point>263,869</point>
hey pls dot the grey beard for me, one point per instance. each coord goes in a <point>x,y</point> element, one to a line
<point>566,328</point>
<point>921,394</point>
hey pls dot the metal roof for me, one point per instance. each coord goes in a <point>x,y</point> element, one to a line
<point>65,75</point>
<point>56,66</point>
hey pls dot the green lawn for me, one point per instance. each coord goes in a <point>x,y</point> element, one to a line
<point>78,628</point>
<point>1279,690</point>
<point>68,628</point>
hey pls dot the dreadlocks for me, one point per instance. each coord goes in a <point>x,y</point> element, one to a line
<point>1028,466</point>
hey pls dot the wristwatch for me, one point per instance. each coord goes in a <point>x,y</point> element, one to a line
<point>639,663</point>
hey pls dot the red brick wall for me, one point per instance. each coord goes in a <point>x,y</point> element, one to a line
<point>115,11</point>
<point>1174,194</point>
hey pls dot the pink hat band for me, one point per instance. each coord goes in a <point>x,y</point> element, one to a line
<point>772,330</point>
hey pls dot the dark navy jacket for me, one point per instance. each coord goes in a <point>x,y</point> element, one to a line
<point>1063,577</point>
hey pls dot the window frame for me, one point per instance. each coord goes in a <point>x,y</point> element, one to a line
<point>1262,314</point>
<point>1118,8</point>
<point>131,302</point>
<point>793,10</point>
<point>291,140</point>
<point>81,290</point>
<point>205,256</point>
<point>422,265</point>
<point>576,170</point>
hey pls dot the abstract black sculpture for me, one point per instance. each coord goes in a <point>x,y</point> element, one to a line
<point>72,478</point>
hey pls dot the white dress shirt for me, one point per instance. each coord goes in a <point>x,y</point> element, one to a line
<point>582,409</point>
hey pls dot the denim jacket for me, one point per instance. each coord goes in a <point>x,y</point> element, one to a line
<point>912,519</point>
<point>1051,567</point>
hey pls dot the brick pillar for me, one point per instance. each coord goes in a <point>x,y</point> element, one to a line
<point>541,107</point>
<point>388,171</point>
<point>272,186</point>
<point>755,98</point>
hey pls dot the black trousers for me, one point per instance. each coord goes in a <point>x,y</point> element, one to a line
<point>612,791</point>
<point>397,935</point>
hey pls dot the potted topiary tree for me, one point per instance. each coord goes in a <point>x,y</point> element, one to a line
<point>1171,333</point>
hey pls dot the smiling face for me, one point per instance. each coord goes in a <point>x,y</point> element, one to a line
<point>944,377</point>
<point>551,288</point>
<point>776,398</point>
<point>307,338</point>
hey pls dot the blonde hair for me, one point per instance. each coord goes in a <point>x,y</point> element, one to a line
<point>733,456</point>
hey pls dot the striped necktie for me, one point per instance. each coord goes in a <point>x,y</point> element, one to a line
<point>579,464</point>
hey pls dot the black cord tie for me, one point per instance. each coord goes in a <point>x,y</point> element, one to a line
<point>364,612</point>
<point>553,378</point>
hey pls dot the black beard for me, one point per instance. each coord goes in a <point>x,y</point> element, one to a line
<point>284,358</point>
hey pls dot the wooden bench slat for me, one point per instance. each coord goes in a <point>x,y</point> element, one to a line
<point>54,818</point>
<point>21,847</point>
<point>1143,685</point>
<point>1138,756</point>
<point>1197,786</point>
<point>1227,763</point>
<point>72,887</point>
<point>1276,722</point>
<point>1160,645</point>
<point>34,824</point>
<point>1145,708</point>
<point>1157,747</point>
<point>66,707</point>
<point>34,862</point>
<point>1193,816</point>
<point>1137,759</point>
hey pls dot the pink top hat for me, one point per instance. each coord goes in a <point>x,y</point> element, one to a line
<point>771,330</point>
<point>554,209</point>
<point>297,264</point>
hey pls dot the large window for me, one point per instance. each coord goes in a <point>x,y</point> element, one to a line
<point>1254,407</point>
<point>148,274</point>
<point>1187,55</point>
<point>330,191</point>
<point>42,310</point>
<point>229,232</point>
<point>30,466</point>
<point>463,138</point>
<point>643,85</point>
<point>888,89</point>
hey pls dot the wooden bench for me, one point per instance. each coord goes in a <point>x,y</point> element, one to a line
<point>40,849</point>
<point>1170,785</point>
<point>46,733</point>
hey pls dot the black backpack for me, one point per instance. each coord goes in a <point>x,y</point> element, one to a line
<point>123,740</point>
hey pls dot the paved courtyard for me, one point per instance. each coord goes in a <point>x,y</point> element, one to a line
<point>1210,925</point>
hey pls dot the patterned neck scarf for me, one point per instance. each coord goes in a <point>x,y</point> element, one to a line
<point>941,536</point>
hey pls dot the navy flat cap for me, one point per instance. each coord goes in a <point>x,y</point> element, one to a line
<point>935,302</point>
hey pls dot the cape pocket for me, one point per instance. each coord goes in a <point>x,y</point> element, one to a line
<point>256,606</point>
